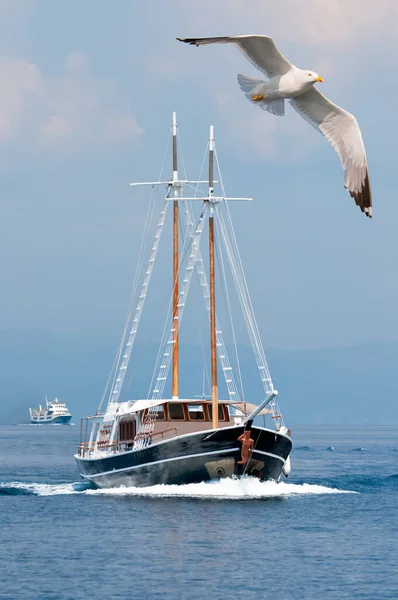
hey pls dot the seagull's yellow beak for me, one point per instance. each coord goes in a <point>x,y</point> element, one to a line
<point>319,79</point>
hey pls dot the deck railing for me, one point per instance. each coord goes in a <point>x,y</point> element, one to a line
<point>86,449</point>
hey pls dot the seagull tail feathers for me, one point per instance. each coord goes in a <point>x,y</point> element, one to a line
<point>252,88</point>
<point>248,85</point>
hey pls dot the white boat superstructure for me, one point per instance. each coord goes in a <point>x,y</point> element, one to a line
<point>54,412</point>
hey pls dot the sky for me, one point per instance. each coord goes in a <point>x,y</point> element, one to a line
<point>87,93</point>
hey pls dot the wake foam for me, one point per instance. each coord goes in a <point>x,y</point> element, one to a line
<point>231,489</point>
<point>245,488</point>
<point>18,488</point>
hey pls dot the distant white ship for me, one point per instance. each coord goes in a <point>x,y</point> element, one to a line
<point>54,412</point>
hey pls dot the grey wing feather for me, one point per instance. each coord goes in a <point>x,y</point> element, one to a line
<point>341,129</point>
<point>260,50</point>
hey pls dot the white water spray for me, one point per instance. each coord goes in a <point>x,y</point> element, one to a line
<point>245,488</point>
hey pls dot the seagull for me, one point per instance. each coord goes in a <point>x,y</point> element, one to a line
<point>283,82</point>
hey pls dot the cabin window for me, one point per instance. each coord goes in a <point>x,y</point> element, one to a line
<point>195,412</point>
<point>127,431</point>
<point>159,414</point>
<point>176,412</point>
<point>221,416</point>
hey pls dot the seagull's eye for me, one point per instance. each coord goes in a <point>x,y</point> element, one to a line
<point>309,74</point>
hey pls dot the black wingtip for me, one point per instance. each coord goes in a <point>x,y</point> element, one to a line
<point>191,41</point>
<point>363,198</point>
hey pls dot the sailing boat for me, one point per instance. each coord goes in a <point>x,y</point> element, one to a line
<point>173,440</point>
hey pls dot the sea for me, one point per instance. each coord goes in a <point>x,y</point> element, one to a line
<point>329,531</point>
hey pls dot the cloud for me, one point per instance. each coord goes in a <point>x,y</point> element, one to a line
<point>72,111</point>
<point>55,126</point>
<point>76,61</point>
<point>337,23</point>
<point>121,126</point>
<point>341,24</point>
<point>162,66</point>
<point>20,89</point>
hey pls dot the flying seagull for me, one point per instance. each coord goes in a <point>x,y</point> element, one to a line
<point>285,81</point>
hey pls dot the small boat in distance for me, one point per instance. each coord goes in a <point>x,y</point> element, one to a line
<point>168,438</point>
<point>54,412</point>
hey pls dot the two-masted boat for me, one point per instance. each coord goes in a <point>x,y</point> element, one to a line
<point>177,440</point>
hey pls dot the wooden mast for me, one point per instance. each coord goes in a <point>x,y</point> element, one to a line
<point>214,382</point>
<point>174,384</point>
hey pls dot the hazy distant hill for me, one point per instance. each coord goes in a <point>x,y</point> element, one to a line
<point>355,385</point>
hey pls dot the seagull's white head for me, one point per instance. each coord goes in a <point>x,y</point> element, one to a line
<point>313,77</point>
<point>304,80</point>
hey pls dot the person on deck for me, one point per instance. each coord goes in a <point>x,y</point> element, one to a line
<point>247,446</point>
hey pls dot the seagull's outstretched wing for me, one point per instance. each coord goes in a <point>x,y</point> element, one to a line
<point>341,129</point>
<point>260,50</point>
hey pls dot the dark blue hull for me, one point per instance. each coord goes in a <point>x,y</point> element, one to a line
<point>190,458</point>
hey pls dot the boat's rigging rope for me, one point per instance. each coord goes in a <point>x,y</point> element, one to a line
<point>232,251</point>
<point>231,243</point>
<point>227,302</point>
<point>248,317</point>
<point>189,212</point>
<point>116,361</point>
<point>135,316</point>
<point>154,324</point>
<point>229,377</point>
<point>163,368</point>
<point>181,155</point>
<point>147,224</point>
<point>243,294</point>
<point>166,326</point>
<point>251,323</point>
<point>199,266</point>
<point>145,430</point>
<point>120,365</point>
<point>197,310</point>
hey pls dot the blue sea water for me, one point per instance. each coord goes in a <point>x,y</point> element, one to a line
<point>328,532</point>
